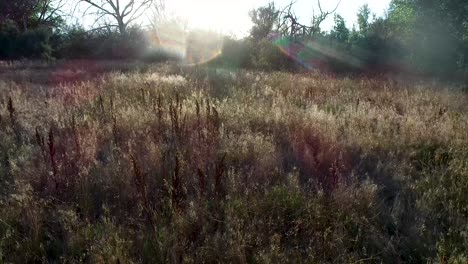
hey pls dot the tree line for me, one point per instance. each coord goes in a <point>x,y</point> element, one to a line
<point>418,36</point>
<point>414,36</point>
<point>41,29</point>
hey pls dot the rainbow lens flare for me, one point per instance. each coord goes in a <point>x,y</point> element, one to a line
<point>194,48</point>
<point>309,53</point>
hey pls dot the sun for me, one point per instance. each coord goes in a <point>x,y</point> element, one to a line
<point>224,16</point>
<point>195,30</point>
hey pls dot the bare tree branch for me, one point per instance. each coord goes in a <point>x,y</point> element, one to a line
<point>122,14</point>
<point>96,6</point>
<point>290,25</point>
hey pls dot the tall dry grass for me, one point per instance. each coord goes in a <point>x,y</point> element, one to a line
<point>189,165</point>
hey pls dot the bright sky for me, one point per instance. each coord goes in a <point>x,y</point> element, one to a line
<point>231,16</point>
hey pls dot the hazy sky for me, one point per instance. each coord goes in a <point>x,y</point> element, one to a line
<point>232,15</point>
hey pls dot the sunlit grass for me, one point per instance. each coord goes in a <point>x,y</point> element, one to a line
<point>170,164</point>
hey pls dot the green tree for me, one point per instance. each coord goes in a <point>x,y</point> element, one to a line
<point>26,27</point>
<point>8,39</point>
<point>31,14</point>
<point>435,33</point>
<point>363,18</point>
<point>340,32</point>
<point>265,21</point>
<point>19,12</point>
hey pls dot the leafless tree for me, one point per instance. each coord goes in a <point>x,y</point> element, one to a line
<point>318,19</point>
<point>120,12</point>
<point>50,11</point>
<point>289,24</point>
<point>157,13</point>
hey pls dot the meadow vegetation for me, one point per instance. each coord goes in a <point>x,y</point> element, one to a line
<point>136,163</point>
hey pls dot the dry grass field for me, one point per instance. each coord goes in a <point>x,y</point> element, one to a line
<point>105,162</point>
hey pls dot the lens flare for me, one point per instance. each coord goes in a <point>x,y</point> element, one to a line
<point>203,47</point>
<point>194,47</point>
<point>170,39</point>
<point>311,54</point>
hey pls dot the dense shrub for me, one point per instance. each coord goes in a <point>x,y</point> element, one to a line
<point>268,56</point>
<point>35,44</point>
<point>263,55</point>
<point>235,53</point>
<point>8,38</point>
<point>102,44</point>
<point>77,43</point>
<point>32,43</point>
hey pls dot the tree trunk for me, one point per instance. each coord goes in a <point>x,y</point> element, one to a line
<point>122,26</point>
<point>25,24</point>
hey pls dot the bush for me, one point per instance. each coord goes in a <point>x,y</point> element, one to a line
<point>267,56</point>
<point>103,44</point>
<point>76,43</point>
<point>235,53</point>
<point>33,43</point>
<point>8,38</point>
